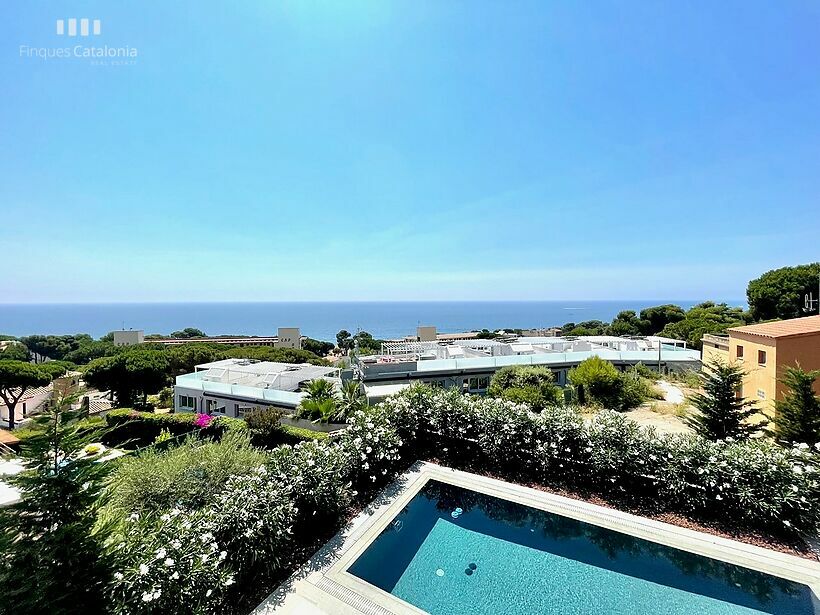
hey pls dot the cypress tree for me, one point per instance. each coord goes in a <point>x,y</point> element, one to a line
<point>720,411</point>
<point>797,418</point>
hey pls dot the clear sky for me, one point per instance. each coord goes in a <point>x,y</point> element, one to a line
<point>412,150</point>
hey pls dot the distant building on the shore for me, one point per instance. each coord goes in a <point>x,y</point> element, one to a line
<point>289,337</point>
<point>542,332</point>
<point>765,350</point>
<point>130,337</point>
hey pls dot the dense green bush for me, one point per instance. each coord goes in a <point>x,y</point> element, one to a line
<point>597,382</point>
<point>533,385</point>
<point>132,428</point>
<point>188,476</point>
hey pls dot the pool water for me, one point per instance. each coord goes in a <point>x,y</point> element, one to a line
<point>453,551</point>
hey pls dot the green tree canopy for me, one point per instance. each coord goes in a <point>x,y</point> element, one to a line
<point>779,293</point>
<point>797,415</point>
<point>317,347</point>
<point>655,318</point>
<point>706,317</point>
<point>184,358</point>
<point>280,355</point>
<point>188,333</point>
<point>17,377</point>
<point>132,374</point>
<point>55,346</point>
<point>720,412</point>
<point>626,323</point>
<point>344,340</point>
<point>15,352</point>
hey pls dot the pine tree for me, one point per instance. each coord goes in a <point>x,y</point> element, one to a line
<point>51,555</point>
<point>797,415</point>
<point>720,412</point>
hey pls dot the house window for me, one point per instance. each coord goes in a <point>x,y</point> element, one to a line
<point>761,357</point>
<point>761,394</point>
<point>214,406</point>
<point>241,411</point>
<point>740,352</point>
<point>476,383</point>
<point>187,402</point>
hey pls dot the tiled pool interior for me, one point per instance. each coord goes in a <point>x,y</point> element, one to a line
<point>456,551</point>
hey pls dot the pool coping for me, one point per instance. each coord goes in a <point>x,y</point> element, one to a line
<point>323,585</point>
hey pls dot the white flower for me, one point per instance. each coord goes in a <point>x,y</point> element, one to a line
<point>176,543</point>
<point>147,596</point>
<point>161,553</point>
<point>229,581</point>
<point>208,593</point>
<point>119,576</point>
<point>169,562</point>
<point>175,576</point>
<point>787,524</point>
<point>143,569</point>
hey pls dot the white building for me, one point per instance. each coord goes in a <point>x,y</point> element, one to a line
<point>130,337</point>
<point>470,364</point>
<point>232,387</point>
<point>289,337</point>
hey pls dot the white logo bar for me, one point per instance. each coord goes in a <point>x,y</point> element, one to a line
<point>95,27</point>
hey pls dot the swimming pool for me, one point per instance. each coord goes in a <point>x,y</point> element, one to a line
<point>452,550</point>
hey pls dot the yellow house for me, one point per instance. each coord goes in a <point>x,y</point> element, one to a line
<point>765,350</point>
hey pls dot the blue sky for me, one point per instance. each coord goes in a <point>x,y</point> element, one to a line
<point>410,150</point>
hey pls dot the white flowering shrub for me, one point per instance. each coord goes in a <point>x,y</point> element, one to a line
<point>755,483</point>
<point>370,447</point>
<point>253,519</point>
<point>316,476</point>
<point>169,564</point>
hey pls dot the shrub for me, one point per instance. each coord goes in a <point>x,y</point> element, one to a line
<point>189,475</point>
<point>531,385</point>
<point>754,483</point>
<point>797,416</point>
<point>264,426</point>
<point>597,381</point>
<point>169,563</point>
<point>136,429</point>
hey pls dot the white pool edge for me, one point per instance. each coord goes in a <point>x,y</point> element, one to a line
<point>323,585</point>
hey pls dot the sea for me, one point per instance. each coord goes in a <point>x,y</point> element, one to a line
<point>319,320</point>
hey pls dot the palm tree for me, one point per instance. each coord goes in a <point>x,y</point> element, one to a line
<point>353,399</point>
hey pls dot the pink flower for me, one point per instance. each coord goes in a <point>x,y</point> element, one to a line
<point>203,420</point>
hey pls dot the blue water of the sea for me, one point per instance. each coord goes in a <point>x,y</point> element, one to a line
<point>316,319</point>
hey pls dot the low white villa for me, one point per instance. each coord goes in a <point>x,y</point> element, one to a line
<point>232,387</point>
<point>469,364</point>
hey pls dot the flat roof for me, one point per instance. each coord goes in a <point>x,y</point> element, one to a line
<point>808,325</point>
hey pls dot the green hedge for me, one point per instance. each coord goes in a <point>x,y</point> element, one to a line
<point>129,427</point>
<point>132,428</point>
<point>300,434</point>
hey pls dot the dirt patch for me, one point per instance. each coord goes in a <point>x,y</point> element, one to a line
<point>661,415</point>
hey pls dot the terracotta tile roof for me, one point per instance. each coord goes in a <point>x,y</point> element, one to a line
<point>782,328</point>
